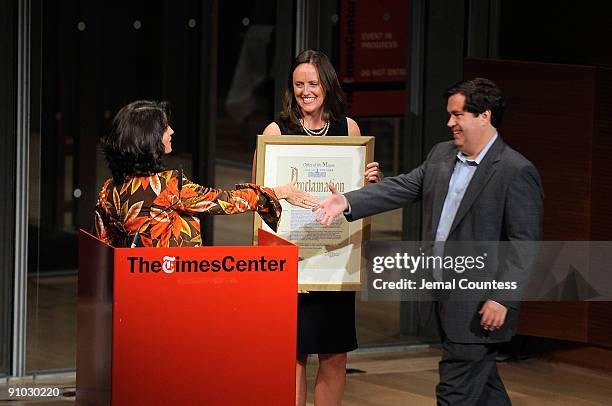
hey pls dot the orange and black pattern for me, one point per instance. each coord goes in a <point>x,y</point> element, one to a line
<point>151,206</point>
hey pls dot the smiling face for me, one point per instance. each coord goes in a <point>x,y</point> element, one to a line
<point>307,89</point>
<point>167,139</point>
<point>471,132</point>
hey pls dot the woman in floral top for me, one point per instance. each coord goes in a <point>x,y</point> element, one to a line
<point>146,205</point>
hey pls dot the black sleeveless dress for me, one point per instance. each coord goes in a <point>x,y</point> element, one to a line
<point>326,320</point>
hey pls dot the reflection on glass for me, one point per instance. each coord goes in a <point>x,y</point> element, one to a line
<point>245,100</point>
<point>85,77</point>
<point>245,86</point>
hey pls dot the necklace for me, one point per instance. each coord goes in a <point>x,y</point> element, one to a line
<point>322,132</point>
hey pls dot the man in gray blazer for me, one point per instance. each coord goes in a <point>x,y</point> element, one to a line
<point>474,188</point>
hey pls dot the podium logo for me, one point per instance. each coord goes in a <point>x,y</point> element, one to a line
<point>172,265</point>
<point>168,264</point>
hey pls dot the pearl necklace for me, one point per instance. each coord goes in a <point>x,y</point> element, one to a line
<point>322,132</point>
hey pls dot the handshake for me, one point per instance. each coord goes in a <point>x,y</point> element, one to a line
<point>334,205</point>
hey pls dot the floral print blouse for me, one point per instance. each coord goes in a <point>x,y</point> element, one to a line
<point>151,206</point>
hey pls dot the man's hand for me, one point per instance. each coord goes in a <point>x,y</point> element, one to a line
<point>493,315</point>
<point>331,207</point>
<point>373,174</point>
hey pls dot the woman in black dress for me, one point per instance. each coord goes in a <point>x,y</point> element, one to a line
<point>314,105</point>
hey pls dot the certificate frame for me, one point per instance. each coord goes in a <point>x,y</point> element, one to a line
<point>336,263</point>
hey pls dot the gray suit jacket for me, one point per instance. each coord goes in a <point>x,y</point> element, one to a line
<point>503,202</point>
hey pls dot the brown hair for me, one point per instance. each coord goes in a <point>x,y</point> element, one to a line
<point>334,105</point>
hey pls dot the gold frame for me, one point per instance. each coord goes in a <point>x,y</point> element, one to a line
<point>365,141</point>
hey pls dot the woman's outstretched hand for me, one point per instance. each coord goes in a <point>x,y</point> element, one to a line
<point>295,196</point>
<point>331,207</point>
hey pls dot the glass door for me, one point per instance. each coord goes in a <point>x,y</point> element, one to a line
<point>97,56</point>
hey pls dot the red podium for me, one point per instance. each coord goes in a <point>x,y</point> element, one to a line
<point>187,326</point>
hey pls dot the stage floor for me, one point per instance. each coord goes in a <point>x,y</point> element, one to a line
<point>408,377</point>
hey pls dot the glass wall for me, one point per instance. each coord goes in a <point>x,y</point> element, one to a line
<point>96,57</point>
<point>369,51</point>
<point>245,100</point>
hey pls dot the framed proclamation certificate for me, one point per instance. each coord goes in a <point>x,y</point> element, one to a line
<point>330,256</point>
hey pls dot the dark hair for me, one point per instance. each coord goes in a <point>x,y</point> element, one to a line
<point>134,146</point>
<point>334,105</point>
<point>480,95</point>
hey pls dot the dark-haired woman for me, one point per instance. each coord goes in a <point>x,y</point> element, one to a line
<point>148,205</point>
<point>314,105</point>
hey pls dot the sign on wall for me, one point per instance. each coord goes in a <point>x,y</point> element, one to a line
<point>373,56</point>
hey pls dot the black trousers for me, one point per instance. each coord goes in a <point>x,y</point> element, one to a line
<point>469,377</point>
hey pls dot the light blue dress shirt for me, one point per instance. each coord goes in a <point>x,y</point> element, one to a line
<point>462,175</point>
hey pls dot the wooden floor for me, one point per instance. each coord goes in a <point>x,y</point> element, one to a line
<point>409,377</point>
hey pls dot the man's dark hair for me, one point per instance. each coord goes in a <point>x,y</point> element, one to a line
<point>480,95</point>
<point>334,105</point>
<point>134,145</point>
